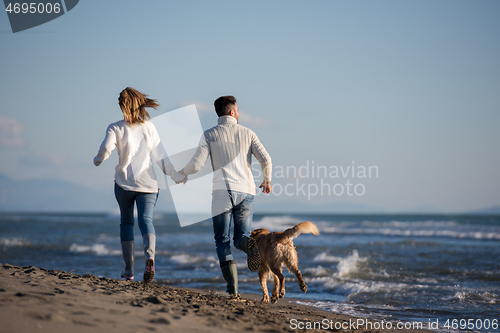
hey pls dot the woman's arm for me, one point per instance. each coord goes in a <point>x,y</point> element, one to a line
<point>160,156</point>
<point>107,146</point>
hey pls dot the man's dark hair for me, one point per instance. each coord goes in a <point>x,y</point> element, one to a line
<point>224,104</point>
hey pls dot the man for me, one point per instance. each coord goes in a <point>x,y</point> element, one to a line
<point>230,147</point>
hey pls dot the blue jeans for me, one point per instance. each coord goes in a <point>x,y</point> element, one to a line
<point>227,205</point>
<point>145,208</point>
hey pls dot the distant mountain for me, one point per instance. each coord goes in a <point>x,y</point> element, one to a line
<point>493,210</point>
<point>52,195</point>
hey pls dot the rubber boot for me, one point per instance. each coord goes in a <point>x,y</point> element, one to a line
<point>249,246</point>
<point>128,249</point>
<point>149,242</point>
<point>230,274</point>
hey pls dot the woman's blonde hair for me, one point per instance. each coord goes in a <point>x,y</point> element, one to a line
<point>133,104</point>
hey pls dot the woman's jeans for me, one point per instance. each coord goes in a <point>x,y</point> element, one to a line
<point>145,209</point>
<point>227,205</point>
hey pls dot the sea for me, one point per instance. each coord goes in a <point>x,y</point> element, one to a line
<point>396,268</point>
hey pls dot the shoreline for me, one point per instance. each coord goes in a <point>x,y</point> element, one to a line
<point>41,300</point>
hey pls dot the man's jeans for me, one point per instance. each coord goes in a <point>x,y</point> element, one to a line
<point>227,204</point>
<point>145,209</point>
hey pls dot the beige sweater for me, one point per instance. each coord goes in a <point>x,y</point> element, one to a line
<point>231,147</point>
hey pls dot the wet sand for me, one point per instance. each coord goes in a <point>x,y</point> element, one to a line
<point>39,300</point>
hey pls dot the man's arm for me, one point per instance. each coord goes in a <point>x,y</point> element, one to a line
<point>199,158</point>
<point>264,159</point>
<point>266,187</point>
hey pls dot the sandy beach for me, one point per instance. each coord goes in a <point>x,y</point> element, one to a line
<point>39,300</point>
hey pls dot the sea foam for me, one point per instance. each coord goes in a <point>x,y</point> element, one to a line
<point>275,223</point>
<point>325,257</point>
<point>187,259</point>
<point>350,265</point>
<point>11,242</point>
<point>477,297</point>
<point>98,249</point>
<point>415,232</point>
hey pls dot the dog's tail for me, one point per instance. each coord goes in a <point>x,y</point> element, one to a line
<point>301,228</point>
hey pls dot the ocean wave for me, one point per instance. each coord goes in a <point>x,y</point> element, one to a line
<point>410,224</point>
<point>477,297</point>
<point>70,218</point>
<point>490,235</point>
<point>56,217</point>
<point>11,242</point>
<point>347,309</point>
<point>275,223</point>
<point>354,277</point>
<point>188,259</point>
<point>317,271</point>
<point>353,266</point>
<point>98,249</point>
<point>354,289</point>
<point>425,280</point>
<point>350,265</point>
<point>325,257</point>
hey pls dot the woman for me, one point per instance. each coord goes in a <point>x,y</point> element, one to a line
<point>136,140</point>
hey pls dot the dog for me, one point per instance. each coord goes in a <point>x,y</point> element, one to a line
<point>276,249</point>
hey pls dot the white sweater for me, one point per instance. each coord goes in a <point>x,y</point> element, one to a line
<point>135,144</point>
<point>231,147</point>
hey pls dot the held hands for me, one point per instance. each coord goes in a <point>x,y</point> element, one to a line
<point>184,181</point>
<point>179,177</point>
<point>266,187</point>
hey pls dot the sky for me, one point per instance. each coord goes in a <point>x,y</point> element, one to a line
<point>408,88</point>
